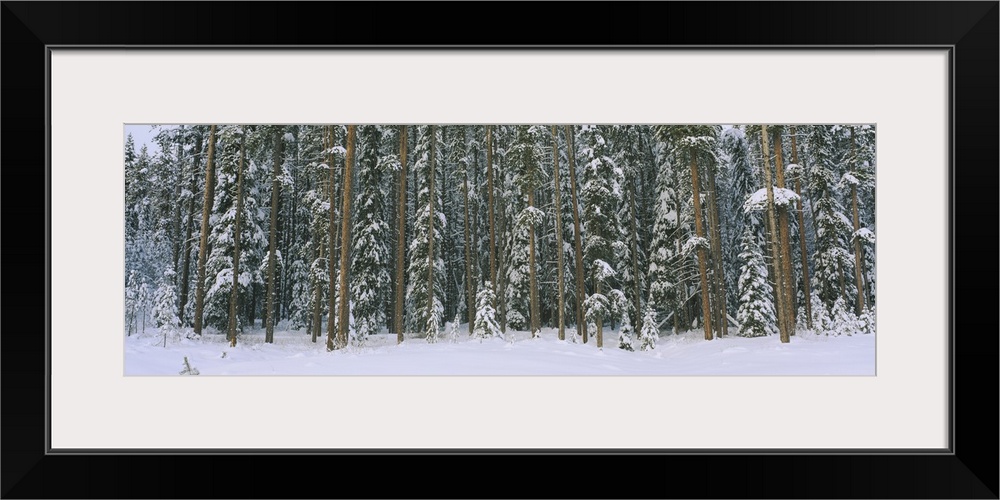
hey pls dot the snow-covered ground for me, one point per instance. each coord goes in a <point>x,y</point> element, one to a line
<point>292,353</point>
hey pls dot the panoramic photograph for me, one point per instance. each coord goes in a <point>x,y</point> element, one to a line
<point>462,250</point>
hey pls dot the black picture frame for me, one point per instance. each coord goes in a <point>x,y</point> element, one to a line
<point>967,470</point>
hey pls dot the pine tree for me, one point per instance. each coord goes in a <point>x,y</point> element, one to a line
<point>601,194</point>
<point>526,158</point>
<point>370,271</point>
<point>625,334</point>
<point>649,333</point>
<point>821,320</point>
<point>165,305</point>
<point>738,180</point>
<point>664,261</point>
<point>453,335</point>
<point>844,322</point>
<point>486,326</point>
<point>755,313</point>
<point>424,292</point>
<point>832,226</point>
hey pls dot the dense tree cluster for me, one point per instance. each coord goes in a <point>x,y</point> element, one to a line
<point>350,231</point>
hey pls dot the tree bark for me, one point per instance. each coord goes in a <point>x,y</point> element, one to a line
<point>345,241</point>
<point>331,316</point>
<point>470,294</point>
<point>272,240</point>
<point>721,321</point>
<point>581,323</point>
<point>206,211</point>
<point>559,233</point>
<point>186,273</point>
<point>786,252</point>
<point>700,232</point>
<point>774,235</point>
<point>235,292</point>
<point>860,304</point>
<point>401,238</point>
<point>802,234</point>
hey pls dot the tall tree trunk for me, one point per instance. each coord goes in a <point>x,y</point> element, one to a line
<point>176,229</point>
<point>332,228</point>
<point>786,252</point>
<point>345,241</point>
<point>700,232</point>
<point>860,304</point>
<point>681,310</point>
<point>430,233</point>
<point>186,273</point>
<point>802,233</point>
<point>235,292</point>
<point>470,290</point>
<point>401,238</point>
<point>206,211</point>
<point>636,285</point>
<point>782,327</point>
<point>559,233</point>
<point>272,240</point>
<point>722,322</point>
<point>581,323</point>
<point>489,197</point>
<point>532,278</point>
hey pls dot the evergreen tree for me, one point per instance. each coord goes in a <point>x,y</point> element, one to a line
<point>222,222</point>
<point>832,226</point>
<point>165,305</point>
<point>737,182</point>
<point>649,333</point>
<point>625,334</point>
<point>424,292</point>
<point>370,267</point>
<point>486,326</point>
<point>601,194</point>
<point>755,312</point>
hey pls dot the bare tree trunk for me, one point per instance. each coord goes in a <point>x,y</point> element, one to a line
<point>682,310</point>
<point>721,321</point>
<point>860,304</point>
<point>401,239</point>
<point>206,211</point>
<point>532,278</point>
<point>786,252</point>
<point>345,241</point>
<point>700,232</point>
<point>331,317</point>
<point>189,226</point>
<point>559,233</point>
<point>581,323</point>
<point>802,234</point>
<point>774,236</point>
<point>272,240</point>
<point>234,296</point>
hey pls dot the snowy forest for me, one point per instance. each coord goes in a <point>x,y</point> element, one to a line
<point>615,238</point>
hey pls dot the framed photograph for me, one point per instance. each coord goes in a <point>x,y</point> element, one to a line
<point>173,155</point>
